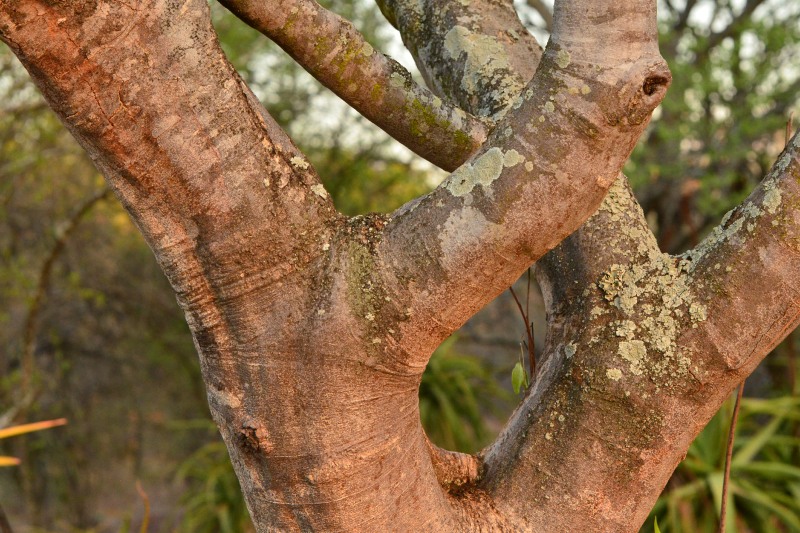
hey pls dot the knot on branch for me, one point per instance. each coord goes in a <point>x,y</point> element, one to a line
<point>254,436</point>
<point>639,92</point>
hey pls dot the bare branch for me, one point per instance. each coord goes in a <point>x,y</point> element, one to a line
<point>375,85</point>
<point>685,13</point>
<point>733,29</point>
<point>29,389</point>
<point>659,341</point>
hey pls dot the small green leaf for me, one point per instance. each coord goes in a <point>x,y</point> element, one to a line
<point>656,529</point>
<point>518,378</point>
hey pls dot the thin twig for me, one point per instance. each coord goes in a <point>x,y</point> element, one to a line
<point>146,518</point>
<point>728,455</point>
<point>791,362</point>
<point>528,297</point>
<point>28,388</point>
<point>789,129</point>
<point>528,333</point>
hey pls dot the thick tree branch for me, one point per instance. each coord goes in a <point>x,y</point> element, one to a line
<point>658,341</point>
<point>747,269</point>
<point>543,171</point>
<point>188,149</point>
<point>476,53</point>
<point>375,85</point>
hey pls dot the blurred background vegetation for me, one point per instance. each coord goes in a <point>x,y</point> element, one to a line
<point>90,331</point>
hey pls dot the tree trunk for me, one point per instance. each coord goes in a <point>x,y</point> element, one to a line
<point>313,329</point>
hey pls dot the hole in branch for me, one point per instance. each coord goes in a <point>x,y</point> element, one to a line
<point>466,393</point>
<point>652,84</point>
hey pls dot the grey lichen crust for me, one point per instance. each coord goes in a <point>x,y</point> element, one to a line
<point>657,302</point>
<point>486,60</point>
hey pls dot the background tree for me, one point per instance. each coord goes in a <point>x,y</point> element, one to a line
<point>558,61</point>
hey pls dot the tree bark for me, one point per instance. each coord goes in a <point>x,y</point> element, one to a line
<point>313,329</point>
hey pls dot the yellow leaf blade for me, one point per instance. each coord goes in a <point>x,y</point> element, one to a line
<point>8,461</point>
<point>13,431</point>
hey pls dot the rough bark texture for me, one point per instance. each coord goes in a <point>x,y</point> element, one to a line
<point>313,329</point>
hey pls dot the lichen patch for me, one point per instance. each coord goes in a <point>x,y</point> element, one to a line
<point>634,352</point>
<point>486,60</point>
<point>563,59</point>
<point>512,158</point>
<point>299,163</point>
<point>319,190</point>
<point>483,171</point>
<point>772,198</point>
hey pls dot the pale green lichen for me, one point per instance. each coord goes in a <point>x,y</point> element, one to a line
<point>635,353</point>
<point>614,374</point>
<point>747,215</point>
<point>563,59</point>
<point>772,199</point>
<point>367,50</point>
<point>397,80</point>
<point>656,297</point>
<point>570,349</point>
<point>626,329</point>
<point>549,107</point>
<point>486,61</point>
<point>528,166</point>
<point>512,158</point>
<point>483,171</point>
<point>319,190</point>
<point>299,162</point>
<point>697,312</point>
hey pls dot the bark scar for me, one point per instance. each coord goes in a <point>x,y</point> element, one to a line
<point>254,436</point>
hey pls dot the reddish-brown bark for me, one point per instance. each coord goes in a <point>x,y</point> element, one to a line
<point>313,329</point>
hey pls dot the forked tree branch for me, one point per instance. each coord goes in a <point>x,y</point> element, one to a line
<point>747,272</point>
<point>373,84</point>
<point>561,141</point>
<point>623,316</point>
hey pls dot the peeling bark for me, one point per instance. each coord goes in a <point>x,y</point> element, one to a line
<point>313,329</point>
